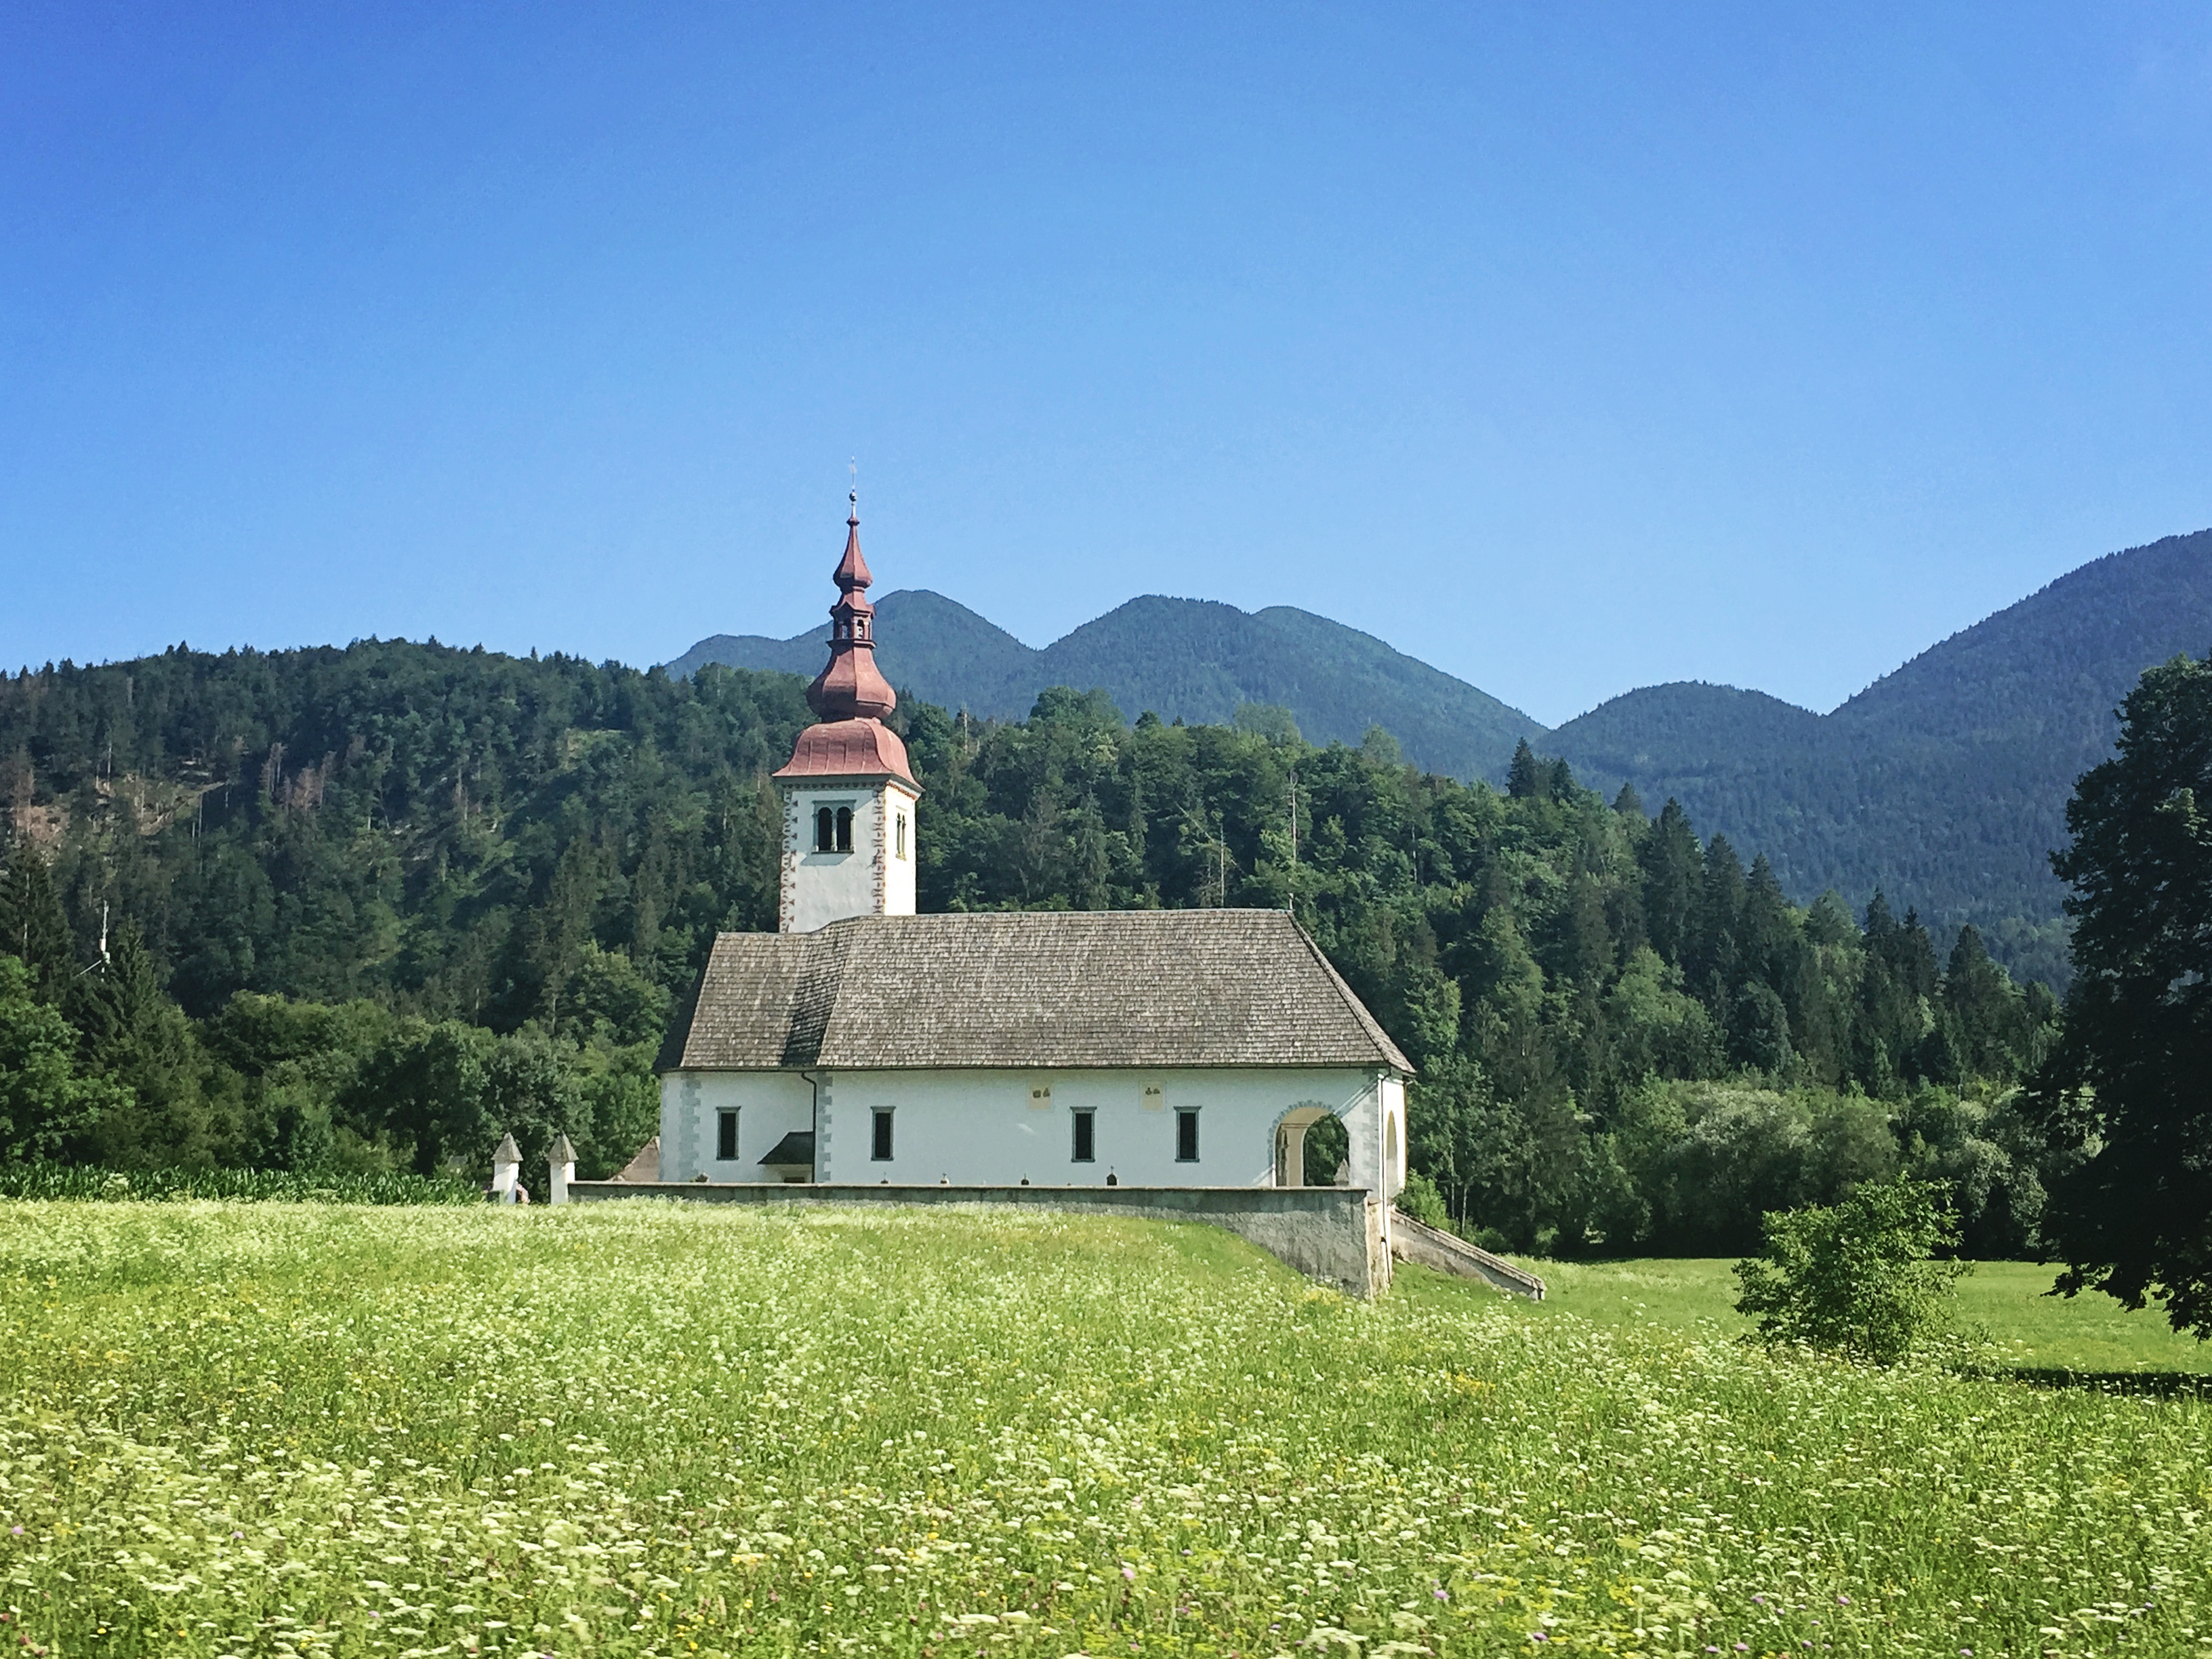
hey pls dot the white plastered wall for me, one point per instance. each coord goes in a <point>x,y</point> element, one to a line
<point>769,1105</point>
<point>875,879</point>
<point>981,1128</point>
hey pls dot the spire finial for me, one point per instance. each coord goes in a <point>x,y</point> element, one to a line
<point>853,496</point>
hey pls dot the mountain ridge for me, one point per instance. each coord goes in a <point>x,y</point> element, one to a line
<point>1197,660</point>
<point>1943,784</point>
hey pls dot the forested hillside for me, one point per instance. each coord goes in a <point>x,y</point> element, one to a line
<point>1945,781</point>
<point>1943,784</point>
<point>371,907</point>
<point>1189,659</point>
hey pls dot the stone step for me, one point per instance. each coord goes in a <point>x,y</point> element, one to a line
<point>1416,1241</point>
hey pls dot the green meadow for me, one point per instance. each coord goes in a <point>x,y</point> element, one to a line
<point>324,1429</point>
<point>2004,1309</point>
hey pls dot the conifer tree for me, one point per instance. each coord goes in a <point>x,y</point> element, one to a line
<point>2132,1081</point>
<point>1768,931</point>
<point>1985,1015</point>
<point>1915,961</point>
<point>33,926</point>
<point>1673,866</point>
<point>47,1102</point>
<point>1524,779</point>
<point>1715,967</point>
<point>134,1035</point>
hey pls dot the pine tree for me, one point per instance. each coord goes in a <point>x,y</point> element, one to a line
<point>47,1102</point>
<point>1768,929</point>
<point>1716,956</point>
<point>1915,961</point>
<point>2132,1082</point>
<point>1524,779</point>
<point>1986,1016</point>
<point>1583,950</point>
<point>1673,866</point>
<point>134,1035</point>
<point>33,927</point>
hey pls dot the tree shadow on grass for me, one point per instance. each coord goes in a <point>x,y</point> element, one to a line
<point>2154,1385</point>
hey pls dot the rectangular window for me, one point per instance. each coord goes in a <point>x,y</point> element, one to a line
<point>726,1136</point>
<point>1086,1137</point>
<point>844,829</point>
<point>901,835</point>
<point>1187,1134</point>
<point>825,831</point>
<point>881,1150</point>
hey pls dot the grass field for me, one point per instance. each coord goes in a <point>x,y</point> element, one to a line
<point>2001,1305</point>
<point>272,1429</point>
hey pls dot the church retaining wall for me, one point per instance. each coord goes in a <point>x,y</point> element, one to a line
<point>1333,1234</point>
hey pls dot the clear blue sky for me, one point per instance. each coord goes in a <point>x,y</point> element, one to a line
<point>1570,347</point>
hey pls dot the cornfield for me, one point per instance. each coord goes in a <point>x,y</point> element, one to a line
<point>69,1181</point>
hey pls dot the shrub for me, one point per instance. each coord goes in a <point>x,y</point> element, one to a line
<point>1856,1277</point>
<point>1420,1200</point>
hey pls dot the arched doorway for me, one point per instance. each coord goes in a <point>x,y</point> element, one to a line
<point>1311,1146</point>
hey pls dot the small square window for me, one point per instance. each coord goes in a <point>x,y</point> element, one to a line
<point>1040,1097</point>
<point>1187,1135</point>
<point>1156,1099</point>
<point>1087,1136</point>
<point>881,1149</point>
<point>726,1136</point>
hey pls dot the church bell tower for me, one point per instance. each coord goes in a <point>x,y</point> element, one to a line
<point>849,792</point>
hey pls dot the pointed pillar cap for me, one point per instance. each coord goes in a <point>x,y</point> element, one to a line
<point>563,1153</point>
<point>508,1153</point>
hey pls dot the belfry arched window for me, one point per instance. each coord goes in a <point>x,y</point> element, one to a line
<point>844,829</point>
<point>825,831</point>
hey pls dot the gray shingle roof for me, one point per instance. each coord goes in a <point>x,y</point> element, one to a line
<point>1029,988</point>
<point>797,1147</point>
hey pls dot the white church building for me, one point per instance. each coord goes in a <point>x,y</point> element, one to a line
<point>864,1043</point>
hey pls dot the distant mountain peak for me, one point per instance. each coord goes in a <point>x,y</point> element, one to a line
<point>1945,782</point>
<point>1190,659</point>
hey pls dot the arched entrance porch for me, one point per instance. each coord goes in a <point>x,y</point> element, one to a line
<point>1291,1145</point>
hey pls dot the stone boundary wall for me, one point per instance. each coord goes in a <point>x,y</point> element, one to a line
<point>1416,1241</point>
<point>1333,1234</point>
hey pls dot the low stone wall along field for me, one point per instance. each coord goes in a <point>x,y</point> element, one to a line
<point>656,1428</point>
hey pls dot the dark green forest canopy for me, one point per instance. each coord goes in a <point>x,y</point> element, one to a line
<point>542,850</point>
